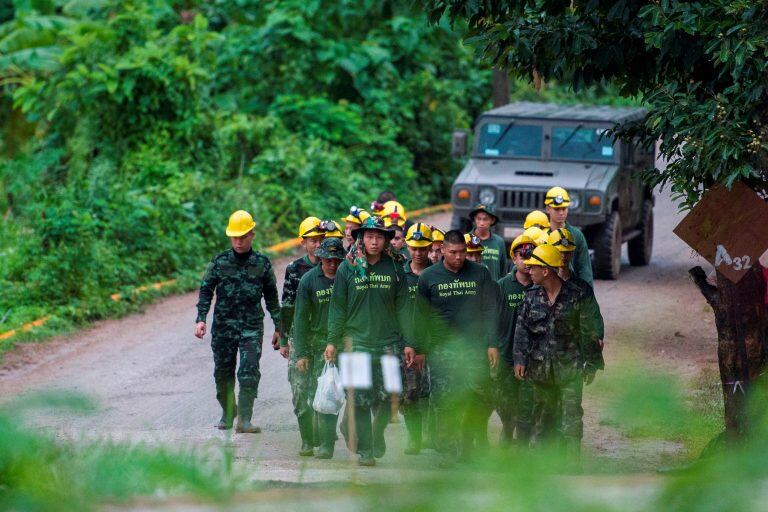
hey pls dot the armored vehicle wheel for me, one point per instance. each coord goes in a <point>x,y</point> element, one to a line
<point>640,248</point>
<point>607,259</point>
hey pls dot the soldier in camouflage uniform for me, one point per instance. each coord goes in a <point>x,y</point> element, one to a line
<point>556,347</point>
<point>311,235</point>
<point>311,330</point>
<point>239,277</point>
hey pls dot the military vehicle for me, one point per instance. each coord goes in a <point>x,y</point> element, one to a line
<point>521,150</point>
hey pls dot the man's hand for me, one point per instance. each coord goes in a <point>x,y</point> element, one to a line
<point>276,340</point>
<point>302,364</point>
<point>410,356</point>
<point>330,353</point>
<point>286,350</point>
<point>493,356</point>
<point>601,343</point>
<point>419,361</point>
<point>519,371</point>
<point>200,330</point>
<point>589,377</point>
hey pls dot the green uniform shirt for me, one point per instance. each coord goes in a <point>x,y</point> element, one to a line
<point>313,298</point>
<point>587,290</point>
<point>371,310</point>
<point>412,280</point>
<point>511,294</point>
<point>239,284</point>
<point>581,264</point>
<point>554,339</point>
<point>495,256</point>
<point>293,273</point>
<point>457,312</point>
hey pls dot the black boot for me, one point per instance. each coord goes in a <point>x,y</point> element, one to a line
<point>244,413</point>
<point>364,436</point>
<point>225,394</point>
<point>306,432</point>
<point>413,426</point>
<point>380,422</point>
<point>327,431</point>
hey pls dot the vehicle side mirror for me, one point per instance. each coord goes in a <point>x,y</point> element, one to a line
<point>459,144</point>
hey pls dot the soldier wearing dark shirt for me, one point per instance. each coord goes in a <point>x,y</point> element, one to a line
<point>456,308</point>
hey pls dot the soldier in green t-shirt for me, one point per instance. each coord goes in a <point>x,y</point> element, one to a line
<point>456,309</point>
<point>369,306</point>
<point>310,328</point>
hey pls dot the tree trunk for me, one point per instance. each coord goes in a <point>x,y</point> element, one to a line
<point>741,318</point>
<point>500,87</point>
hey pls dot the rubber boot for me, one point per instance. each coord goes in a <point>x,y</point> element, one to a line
<point>327,431</point>
<point>225,394</point>
<point>365,436</point>
<point>306,432</point>
<point>413,426</point>
<point>380,422</point>
<point>244,413</point>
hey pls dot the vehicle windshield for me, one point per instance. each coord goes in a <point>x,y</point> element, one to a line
<point>579,143</point>
<point>509,139</point>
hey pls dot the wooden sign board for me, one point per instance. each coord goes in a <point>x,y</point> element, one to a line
<point>729,228</point>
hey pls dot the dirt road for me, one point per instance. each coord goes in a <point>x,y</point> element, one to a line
<point>153,379</point>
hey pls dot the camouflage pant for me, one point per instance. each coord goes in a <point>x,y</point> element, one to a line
<point>225,349</point>
<point>302,390</point>
<point>557,410</point>
<point>461,399</point>
<point>513,402</point>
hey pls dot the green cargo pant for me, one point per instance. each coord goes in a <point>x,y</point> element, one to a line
<point>514,404</point>
<point>225,348</point>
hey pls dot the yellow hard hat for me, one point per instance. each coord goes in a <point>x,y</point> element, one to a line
<point>536,218</point>
<point>240,223</point>
<point>473,243</point>
<point>562,239</point>
<point>393,221</point>
<point>335,232</point>
<point>309,227</point>
<point>419,235</point>
<point>520,240</point>
<point>557,197</point>
<point>438,235</point>
<point>395,210</point>
<point>538,235</point>
<point>545,256</point>
<point>356,216</point>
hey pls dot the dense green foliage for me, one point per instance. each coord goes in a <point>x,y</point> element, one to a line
<point>129,131</point>
<point>139,126</point>
<point>699,66</point>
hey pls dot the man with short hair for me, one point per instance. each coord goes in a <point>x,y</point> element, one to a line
<point>369,306</point>
<point>456,310</point>
<point>557,202</point>
<point>557,347</point>
<point>313,299</point>
<point>495,253</point>
<point>239,277</point>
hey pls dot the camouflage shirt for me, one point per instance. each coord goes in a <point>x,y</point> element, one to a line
<point>239,283</point>
<point>550,339</point>
<point>293,274</point>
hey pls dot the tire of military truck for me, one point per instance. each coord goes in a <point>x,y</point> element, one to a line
<point>640,248</point>
<point>607,258</point>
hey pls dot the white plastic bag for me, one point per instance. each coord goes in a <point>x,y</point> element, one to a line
<point>329,397</point>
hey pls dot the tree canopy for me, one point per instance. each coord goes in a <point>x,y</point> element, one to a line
<point>700,67</point>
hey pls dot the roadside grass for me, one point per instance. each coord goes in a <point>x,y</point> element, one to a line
<point>38,472</point>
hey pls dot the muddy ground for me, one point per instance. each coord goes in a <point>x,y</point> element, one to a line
<point>152,379</point>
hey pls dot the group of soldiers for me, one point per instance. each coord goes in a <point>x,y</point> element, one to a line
<point>476,332</point>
